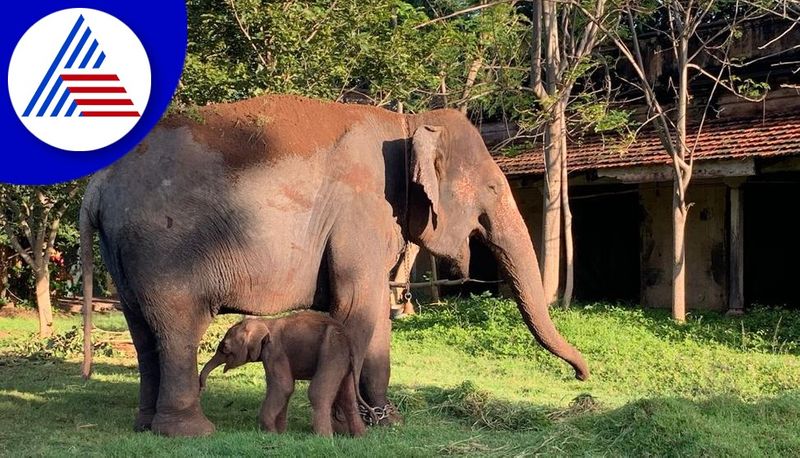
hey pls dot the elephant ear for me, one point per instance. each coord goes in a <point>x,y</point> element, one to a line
<point>425,160</point>
<point>256,339</point>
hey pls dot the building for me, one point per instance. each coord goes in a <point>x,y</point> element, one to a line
<point>742,234</point>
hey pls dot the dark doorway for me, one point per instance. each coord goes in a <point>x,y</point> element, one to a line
<point>482,266</point>
<point>772,242</point>
<point>605,222</point>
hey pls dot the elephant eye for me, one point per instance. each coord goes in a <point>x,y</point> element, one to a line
<point>493,188</point>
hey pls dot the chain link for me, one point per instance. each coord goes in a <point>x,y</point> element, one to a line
<point>373,415</point>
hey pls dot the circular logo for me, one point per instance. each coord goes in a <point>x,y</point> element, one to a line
<point>79,79</point>
<point>87,81</point>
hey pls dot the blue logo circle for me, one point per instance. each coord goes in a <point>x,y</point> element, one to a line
<point>86,82</point>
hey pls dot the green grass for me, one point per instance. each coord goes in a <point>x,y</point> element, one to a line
<point>469,380</point>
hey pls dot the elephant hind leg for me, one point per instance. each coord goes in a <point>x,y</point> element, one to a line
<point>179,325</point>
<point>149,372</point>
<point>333,364</point>
<point>347,420</point>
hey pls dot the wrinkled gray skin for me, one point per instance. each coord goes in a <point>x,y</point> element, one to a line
<point>279,203</point>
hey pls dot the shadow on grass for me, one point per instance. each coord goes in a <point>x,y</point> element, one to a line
<point>50,402</point>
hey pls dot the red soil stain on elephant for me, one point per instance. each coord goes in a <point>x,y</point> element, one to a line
<point>297,197</point>
<point>270,127</point>
<point>358,176</point>
<point>465,189</point>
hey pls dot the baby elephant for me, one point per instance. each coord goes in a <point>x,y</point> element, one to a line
<point>302,346</point>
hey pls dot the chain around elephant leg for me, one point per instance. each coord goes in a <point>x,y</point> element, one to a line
<point>374,416</point>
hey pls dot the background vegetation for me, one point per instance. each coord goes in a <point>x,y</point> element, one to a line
<point>390,53</point>
<point>469,380</point>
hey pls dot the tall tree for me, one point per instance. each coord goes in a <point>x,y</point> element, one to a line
<point>5,267</point>
<point>699,35</point>
<point>30,218</point>
<point>563,40</point>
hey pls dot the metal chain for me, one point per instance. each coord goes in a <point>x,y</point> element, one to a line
<point>406,267</point>
<point>374,415</point>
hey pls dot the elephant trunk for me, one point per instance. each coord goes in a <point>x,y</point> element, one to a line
<point>213,363</point>
<point>509,240</point>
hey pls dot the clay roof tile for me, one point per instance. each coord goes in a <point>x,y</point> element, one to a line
<point>729,139</point>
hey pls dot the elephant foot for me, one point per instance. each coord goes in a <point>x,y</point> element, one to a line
<point>339,422</point>
<point>393,417</point>
<point>144,421</point>
<point>190,423</point>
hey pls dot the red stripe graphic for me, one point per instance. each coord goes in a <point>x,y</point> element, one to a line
<point>96,90</point>
<point>115,114</point>
<point>104,101</point>
<point>90,77</point>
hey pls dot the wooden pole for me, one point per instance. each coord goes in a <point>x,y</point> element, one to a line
<point>434,280</point>
<point>401,277</point>
<point>736,250</point>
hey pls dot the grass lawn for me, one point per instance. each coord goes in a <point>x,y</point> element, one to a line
<point>469,380</point>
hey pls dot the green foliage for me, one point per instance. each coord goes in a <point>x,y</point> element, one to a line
<point>600,116</point>
<point>59,346</point>
<point>700,357</point>
<point>749,88</point>
<point>34,221</point>
<point>326,49</point>
<point>216,332</point>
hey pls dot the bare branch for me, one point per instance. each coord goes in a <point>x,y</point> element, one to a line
<point>22,252</point>
<point>461,12</point>
<point>246,33</point>
<point>472,74</point>
<point>725,85</point>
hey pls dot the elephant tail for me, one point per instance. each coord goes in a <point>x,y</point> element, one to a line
<point>87,264</point>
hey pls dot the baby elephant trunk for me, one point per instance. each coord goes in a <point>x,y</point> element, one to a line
<point>216,361</point>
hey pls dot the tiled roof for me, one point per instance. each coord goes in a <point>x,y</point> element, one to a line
<point>732,139</point>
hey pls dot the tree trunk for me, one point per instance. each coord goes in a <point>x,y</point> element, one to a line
<point>43,304</point>
<point>680,184</point>
<point>551,224</point>
<point>5,254</point>
<point>569,258</point>
<point>679,211</point>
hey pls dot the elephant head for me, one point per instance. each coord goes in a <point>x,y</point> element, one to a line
<point>458,192</point>
<point>243,343</point>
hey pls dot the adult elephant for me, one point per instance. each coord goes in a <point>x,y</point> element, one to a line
<point>279,203</point>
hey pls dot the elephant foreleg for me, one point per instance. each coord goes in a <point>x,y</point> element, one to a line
<point>366,319</point>
<point>376,371</point>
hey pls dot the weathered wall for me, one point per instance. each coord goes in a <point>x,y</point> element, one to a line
<point>706,241</point>
<point>528,194</point>
<point>706,275</point>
